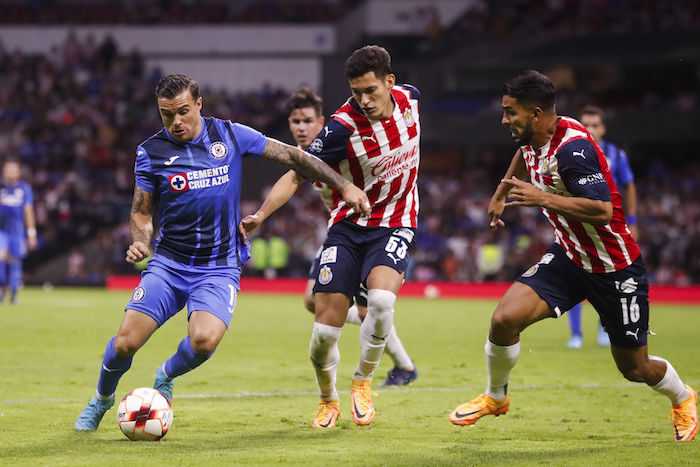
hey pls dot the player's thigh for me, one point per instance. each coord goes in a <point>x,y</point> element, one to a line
<point>387,258</point>
<point>205,330</point>
<point>331,308</point>
<point>215,292</point>
<point>622,301</point>
<point>556,280</point>
<point>136,328</point>
<point>18,247</point>
<point>4,246</point>
<point>519,308</point>
<point>340,264</point>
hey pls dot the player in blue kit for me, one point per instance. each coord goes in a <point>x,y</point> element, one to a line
<point>593,118</point>
<point>191,170</point>
<point>17,227</point>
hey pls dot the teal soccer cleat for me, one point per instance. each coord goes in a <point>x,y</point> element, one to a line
<point>89,419</point>
<point>163,384</point>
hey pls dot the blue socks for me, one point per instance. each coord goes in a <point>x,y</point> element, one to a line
<point>15,273</point>
<point>184,360</point>
<point>113,367</point>
<point>575,320</point>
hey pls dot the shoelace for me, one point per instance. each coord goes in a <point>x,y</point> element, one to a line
<point>366,396</point>
<point>325,411</point>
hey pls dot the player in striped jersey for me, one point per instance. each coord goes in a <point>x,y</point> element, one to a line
<point>191,170</point>
<point>593,119</point>
<point>305,122</point>
<point>373,140</point>
<point>594,256</point>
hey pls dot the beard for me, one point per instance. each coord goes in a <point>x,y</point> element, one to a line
<point>526,135</point>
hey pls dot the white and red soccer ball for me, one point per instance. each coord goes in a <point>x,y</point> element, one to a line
<point>145,414</point>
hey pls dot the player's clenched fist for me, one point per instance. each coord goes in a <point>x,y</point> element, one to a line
<point>137,251</point>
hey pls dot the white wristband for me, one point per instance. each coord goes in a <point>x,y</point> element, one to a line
<point>31,232</point>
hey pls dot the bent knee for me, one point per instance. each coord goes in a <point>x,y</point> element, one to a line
<point>126,345</point>
<point>204,344</point>
<point>636,375</point>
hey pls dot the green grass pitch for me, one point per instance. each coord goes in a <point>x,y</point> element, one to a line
<point>253,402</point>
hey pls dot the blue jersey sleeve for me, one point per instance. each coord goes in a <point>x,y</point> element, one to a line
<point>249,141</point>
<point>145,179</point>
<point>28,195</point>
<point>580,170</point>
<point>624,171</point>
<point>331,144</point>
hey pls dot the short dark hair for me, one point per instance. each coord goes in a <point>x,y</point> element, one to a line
<point>170,86</point>
<point>368,58</point>
<point>531,88</point>
<point>303,99</point>
<point>594,110</point>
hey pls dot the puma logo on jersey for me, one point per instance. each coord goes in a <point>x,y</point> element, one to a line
<point>369,138</point>
<point>580,153</point>
<point>327,130</point>
<point>630,333</point>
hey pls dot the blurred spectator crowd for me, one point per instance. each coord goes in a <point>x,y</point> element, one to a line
<point>75,116</point>
<point>172,11</point>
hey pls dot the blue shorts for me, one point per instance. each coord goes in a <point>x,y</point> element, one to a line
<point>350,252</point>
<point>621,298</point>
<point>167,286</point>
<point>14,245</point>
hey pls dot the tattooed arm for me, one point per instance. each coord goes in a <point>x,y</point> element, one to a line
<point>141,225</point>
<point>313,168</point>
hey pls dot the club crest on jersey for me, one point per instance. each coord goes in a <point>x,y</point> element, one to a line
<point>218,150</point>
<point>178,182</point>
<point>545,168</point>
<point>408,118</point>
<point>139,293</point>
<point>325,275</point>
<point>316,146</point>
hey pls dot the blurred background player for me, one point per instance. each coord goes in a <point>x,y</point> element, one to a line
<point>17,227</point>
<point>594,256</point>
<point>191,169</point>
<point>305,122</point>
<point>593,118</point>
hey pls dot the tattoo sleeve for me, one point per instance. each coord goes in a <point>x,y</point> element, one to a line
<point>303,163</point>
<point>141,217</point>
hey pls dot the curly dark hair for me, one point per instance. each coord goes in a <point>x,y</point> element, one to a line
<point>368,58</point>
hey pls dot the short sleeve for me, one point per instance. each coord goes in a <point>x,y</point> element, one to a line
<point>249,141</point>
<point>580,169</point>
<point>331,144</point>
<point>145,179</point>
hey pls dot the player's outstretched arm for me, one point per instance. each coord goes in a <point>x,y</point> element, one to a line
<point>281,192</point>
<point>497,204</point>
<point>313,168</point>
<point>141,225</point>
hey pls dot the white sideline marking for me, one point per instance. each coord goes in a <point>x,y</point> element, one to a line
<point>239,395</point>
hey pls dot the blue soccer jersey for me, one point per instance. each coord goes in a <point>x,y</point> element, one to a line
<point>197,185</point>
<point>13,199</point>
<point>619,164</point>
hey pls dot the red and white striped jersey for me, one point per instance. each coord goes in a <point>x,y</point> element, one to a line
<point>381,157</point>
<point>571,164</point>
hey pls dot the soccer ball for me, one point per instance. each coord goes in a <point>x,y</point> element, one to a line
<point>145,414</point>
